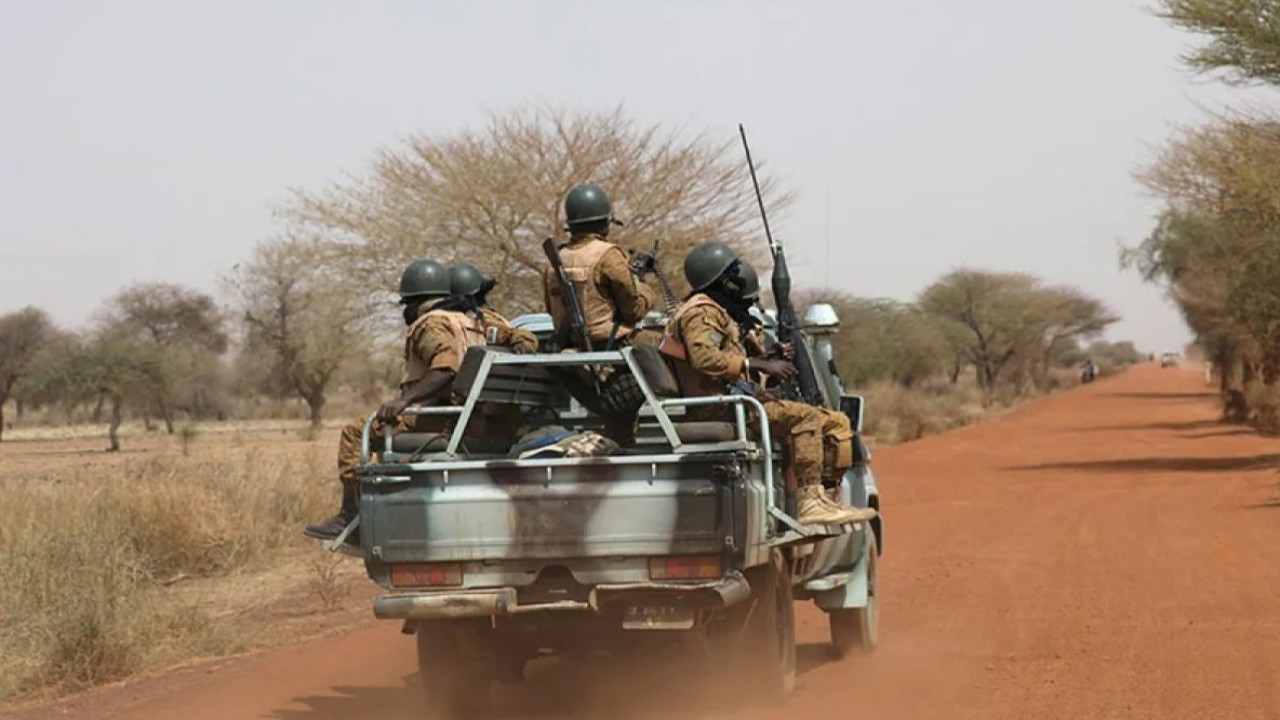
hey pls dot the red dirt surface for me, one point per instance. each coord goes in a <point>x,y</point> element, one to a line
<point>1110,552</point>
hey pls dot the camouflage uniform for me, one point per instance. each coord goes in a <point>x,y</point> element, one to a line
<point>716,355</point>
<point>613,302</point>
<point>607,290</point>
<point>438,340</point>
<point>833,426</point>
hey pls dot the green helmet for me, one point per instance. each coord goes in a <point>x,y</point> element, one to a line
<point>465,279</point>
<point>423,278</point>
<point>707,262</point>
<point>750,281</point>
<point>587,203</point>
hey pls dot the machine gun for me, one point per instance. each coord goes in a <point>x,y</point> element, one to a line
<point>805,388</point>
<point>648,262</point>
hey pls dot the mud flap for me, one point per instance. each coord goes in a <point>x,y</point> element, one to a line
<point>852,594</point>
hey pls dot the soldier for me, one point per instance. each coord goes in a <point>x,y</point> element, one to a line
<point>613,302</point>
<point>837,431</point>
<point>709,326</point>
<point>435,342</point>
<point>466,281</point>
<point>612,298</point>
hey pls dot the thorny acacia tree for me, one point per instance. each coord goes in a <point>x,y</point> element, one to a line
<point>1215,246</point>
<point>883,339</point>
<point>294,315</point>
<point>490,197</point>
<point>1243,37</point>
<point>998,318</point>
<point>180,329</point>
<point>22,335</point>
<point>82,369</point>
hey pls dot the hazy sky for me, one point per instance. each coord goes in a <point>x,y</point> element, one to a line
<point>149,140</point>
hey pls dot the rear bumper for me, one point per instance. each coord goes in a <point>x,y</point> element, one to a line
<point>451,605</point>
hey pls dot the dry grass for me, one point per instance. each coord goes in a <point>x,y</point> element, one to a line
<point>896,414</point>
<point>93,565</point>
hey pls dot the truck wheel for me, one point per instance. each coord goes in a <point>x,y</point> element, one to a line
<point>457,685</point>
<point>857,630</point>
<point>769,651</point>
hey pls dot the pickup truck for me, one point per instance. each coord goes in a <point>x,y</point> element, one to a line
<point>686,537</point>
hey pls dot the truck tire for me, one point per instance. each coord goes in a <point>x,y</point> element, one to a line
<point>857,630</point>
<point>769,637</point>
<point>457,684</point>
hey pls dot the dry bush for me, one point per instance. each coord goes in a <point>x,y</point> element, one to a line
<point>1263,402</point>
<point>896,414</point>
<point>84,564</point>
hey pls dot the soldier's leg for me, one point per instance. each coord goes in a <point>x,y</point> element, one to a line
<point>803,425</point>
<point>837,446</point>
<point>348,460</point>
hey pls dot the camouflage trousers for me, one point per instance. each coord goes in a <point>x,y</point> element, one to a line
<point>820,439</point>
<point>837,445</point>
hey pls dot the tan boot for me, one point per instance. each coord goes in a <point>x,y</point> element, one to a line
<point>813,508</point>
<point>831,497</point>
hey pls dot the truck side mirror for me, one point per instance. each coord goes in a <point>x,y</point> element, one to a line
<point>852,406</point>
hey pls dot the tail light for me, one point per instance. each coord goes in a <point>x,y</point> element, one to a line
<point>684,567</point>
<point>426,574</point>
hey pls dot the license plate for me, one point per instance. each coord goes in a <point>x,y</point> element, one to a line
<point>657,617</point>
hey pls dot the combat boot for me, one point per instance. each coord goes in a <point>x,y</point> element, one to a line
<point>813,508</point>
<point>832,497</point>
<point>333,527</point>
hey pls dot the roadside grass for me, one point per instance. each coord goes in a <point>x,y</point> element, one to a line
<point>897,414</point>
<point>87,564</point>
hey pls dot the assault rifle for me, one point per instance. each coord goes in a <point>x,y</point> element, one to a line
<point>577,321</point>
<point>805,388</point>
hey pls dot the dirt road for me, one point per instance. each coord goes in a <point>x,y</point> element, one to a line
<point>1108,552</point>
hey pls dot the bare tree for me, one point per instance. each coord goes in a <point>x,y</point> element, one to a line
<point>183,332</point>
<point>490,197</point>
<point>296,318</point>
<point>22,335</point>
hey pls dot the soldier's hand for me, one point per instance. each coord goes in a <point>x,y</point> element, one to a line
<point>776,368</point>
<point>786,351</point>
<point>390,411</point>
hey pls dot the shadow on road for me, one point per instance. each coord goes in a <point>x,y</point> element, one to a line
<point>561,690</point>
<point>1174,426</point>
<point>1162,464</point>
<point>345,702</point>
<point>1163,395</point>
<point>1223,433</point>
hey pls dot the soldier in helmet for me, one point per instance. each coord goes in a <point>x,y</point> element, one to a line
<point>613,302</point>
<point>466,282</point>
<point>837,430</point>
<point>709,326</point>
<point>612,298</point>
<point>436,339</point>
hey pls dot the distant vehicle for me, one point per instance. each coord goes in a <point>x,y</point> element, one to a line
<point>1089,373</point>
<point>1168,360</point>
